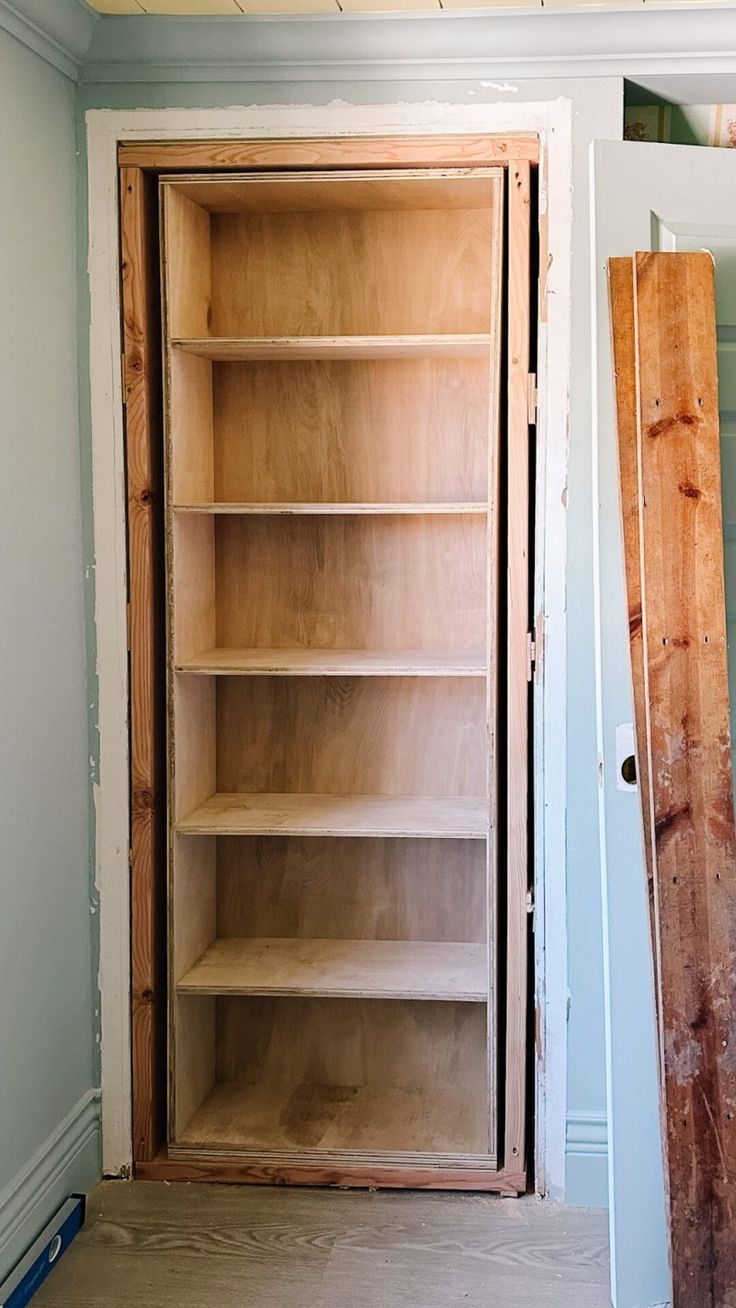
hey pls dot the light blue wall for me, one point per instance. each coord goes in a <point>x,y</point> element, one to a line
<point>597,106</point>
<point>49,1136</point>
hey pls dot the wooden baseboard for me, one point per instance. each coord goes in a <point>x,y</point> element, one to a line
<point>240,1172</point>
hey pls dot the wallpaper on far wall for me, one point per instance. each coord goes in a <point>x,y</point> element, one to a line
<point>689,124</point>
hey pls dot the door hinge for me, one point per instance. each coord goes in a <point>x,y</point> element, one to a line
<point>124,375</point>
<point>532,398</point>
<point>534,641</point>
<point>127,624</point>
<point>530,901</point>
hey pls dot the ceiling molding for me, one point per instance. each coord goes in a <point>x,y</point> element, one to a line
<point>60,31</point>
<point>434,46</point>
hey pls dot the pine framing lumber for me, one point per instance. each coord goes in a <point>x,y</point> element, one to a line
<point>682,683</point>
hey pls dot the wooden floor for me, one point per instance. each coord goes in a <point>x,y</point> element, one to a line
<point>205,1246</point>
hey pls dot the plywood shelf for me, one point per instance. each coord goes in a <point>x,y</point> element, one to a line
<point>416,509</point>
<point>257,349</point>
<point>338,815</point>
<point>381,1119</point>
<point>336,663</point>
<point>341,969</point>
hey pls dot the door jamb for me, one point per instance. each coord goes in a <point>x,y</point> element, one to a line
<point>106,129</point>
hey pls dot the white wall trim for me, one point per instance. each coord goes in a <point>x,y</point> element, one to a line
<point>428,46</point>
<point>587,1133</point>
<point>59,32</point>
<point>105,128</point>
<point>31,1190</point>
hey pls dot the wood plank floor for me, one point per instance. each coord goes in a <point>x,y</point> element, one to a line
<point>207,1246</point>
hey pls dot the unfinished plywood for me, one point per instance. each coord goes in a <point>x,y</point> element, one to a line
<point>338,815</point>
<point>333,349</point>
<point>344,969</point>
<point>688,778</point>
<point>350,582</point>
<point>336,663</point>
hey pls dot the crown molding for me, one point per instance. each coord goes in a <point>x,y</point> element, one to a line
<point>419,47</point>
<point>59,31</point>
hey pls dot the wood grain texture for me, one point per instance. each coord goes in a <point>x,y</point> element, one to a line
<point>350,582</point>
<point>352,192</point>
<point>224,348</point>
<point>314,274</point>
<point>517,690</point>
<point>142,390</point>
<point>363,736</point>
<point>342,1120</point>
<point>338,815</point>
<point>333,152</point>
<point>336,663</point>
<point>277,1248</point>
<point>344,969</point>
<point>692,818</point>
<point>350,888</point>
<point>344,508</point>
<point>388,430</point>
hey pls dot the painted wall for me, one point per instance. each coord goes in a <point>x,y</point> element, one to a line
<point>597,112</point>
<point>49,1140</point>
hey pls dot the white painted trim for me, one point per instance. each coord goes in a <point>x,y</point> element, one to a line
<point>105,128</point>
<point>60,33</point>
<point>429,46</point>
<point>27,1201</point>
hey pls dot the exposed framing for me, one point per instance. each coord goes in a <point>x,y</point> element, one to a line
<point>106,129</point>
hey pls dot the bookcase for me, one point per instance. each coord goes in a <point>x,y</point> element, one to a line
<point>332,352</point>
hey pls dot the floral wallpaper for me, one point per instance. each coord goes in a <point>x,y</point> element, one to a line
<point>690,124</point>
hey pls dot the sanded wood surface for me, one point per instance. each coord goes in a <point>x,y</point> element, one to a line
<point>340,1120</point>
<point>332,152</point>
<point>223,349</point>
<point>689,763</point>
<point>341,508</point>
<point>181,1246</point>
<point>337,663</point>
<point>518,625</point>
<point>382,969</point>
<point>356,191</point>
<point>338,815</point>
<point>142,383</point>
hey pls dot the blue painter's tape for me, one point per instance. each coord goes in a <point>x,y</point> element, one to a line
<point>43,1254</point>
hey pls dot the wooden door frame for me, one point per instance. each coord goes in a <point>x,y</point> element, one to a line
<point>243,150</point>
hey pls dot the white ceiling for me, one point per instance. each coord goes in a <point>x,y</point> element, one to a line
<point>204,7</point>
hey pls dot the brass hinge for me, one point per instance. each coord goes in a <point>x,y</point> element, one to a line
<point>534,643</point>
<point>127,623</point>
<point>124,375</point>
<point>531,655</point>
<point>532,398</point>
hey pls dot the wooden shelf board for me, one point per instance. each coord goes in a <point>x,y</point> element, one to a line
<point>313,1118</point>
<point>326,192</point>
<point>281,348</point>
<point>468,508</point>
<point>336,663</point>
<point>341,969</point>
<point>339,815</point>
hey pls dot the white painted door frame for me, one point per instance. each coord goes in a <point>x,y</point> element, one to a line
<point>551,119</point>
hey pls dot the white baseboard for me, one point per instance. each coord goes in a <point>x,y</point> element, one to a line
<point>68,1162</point>
<point>587,1159</point>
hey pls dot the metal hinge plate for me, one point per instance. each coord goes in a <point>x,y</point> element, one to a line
<point>532,398</point>
<point>534,645</point>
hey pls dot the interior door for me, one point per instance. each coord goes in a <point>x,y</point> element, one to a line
<point>658,197</point>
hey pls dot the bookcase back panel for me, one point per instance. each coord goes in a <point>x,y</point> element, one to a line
<point>346,736</point>
<point>351,889</point>
<point>313,274</point>
<point>351,583</point>
<point>362,430</point>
